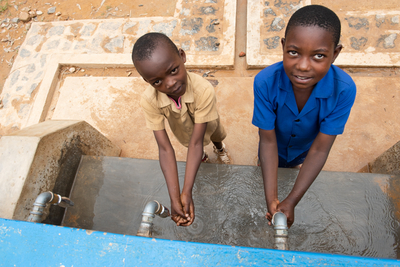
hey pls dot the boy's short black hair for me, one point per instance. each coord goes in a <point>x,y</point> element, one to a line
<point>146,44</point>
<point>316,15</point>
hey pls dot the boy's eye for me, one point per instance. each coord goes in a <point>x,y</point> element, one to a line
<point>156,83</point>
<point>319,56</point>
<point>292,53</point>
<point>175,70</point>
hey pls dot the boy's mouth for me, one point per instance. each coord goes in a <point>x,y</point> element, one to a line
<point>302,79</point>
<point>177,90</point>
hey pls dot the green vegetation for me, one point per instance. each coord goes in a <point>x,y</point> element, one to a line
<point>3,6</point>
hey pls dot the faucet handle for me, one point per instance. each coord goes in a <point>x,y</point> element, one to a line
<point>164,213</point>
<point>63,202</point>
<point>66,202</point>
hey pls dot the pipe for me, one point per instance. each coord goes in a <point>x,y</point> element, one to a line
<point>279,221</point>
<point>151,209</point>
<point>41,201</point>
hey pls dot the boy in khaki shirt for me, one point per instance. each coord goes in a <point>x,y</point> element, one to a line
<point>188,102</point>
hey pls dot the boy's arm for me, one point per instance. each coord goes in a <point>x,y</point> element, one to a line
<point>269,166</point>
<point>170,171</point>
<point>312,166</point>
<point>193,160</point>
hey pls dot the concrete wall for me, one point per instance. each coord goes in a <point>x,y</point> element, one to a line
<point>44,157</point>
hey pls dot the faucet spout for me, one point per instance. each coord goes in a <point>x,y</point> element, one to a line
<point>41,201</point>
<point>150,210</point>
<point>279,221</point>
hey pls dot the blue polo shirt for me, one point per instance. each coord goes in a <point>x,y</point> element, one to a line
<point>326,110</point>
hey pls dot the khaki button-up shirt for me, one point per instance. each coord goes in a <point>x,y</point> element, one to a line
<point>198,106</point>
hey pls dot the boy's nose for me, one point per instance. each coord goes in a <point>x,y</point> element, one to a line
<point>304,64</point>
<point>170,82</point>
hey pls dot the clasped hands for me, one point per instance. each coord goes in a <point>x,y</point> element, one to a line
<point>182,210</point>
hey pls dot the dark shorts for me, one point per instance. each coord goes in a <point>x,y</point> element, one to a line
<point>284,164</point>
<point>297,161</point>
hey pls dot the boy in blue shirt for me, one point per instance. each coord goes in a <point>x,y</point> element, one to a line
<point>301,104</point>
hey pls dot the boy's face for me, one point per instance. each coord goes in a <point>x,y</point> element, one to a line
<point>165,71</point>
<point>308,53</point>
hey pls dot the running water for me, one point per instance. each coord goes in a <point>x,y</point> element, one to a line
<point>342,213</point>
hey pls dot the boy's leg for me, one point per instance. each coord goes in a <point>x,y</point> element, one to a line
<point>218,145</point>
<point>205,158</point>
<point>222,153</point>
<point>216,137</point>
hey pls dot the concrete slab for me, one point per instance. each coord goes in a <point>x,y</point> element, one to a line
<point>373,125</point>
<point>206,31</point>
<point>111,105</point>
<point>370,32</point>
<point>44,157</point>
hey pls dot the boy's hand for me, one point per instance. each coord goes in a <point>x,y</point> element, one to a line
<point>272,209</point>
<point>287,208</point>
<point>188,208</point>
<point>177,214</point>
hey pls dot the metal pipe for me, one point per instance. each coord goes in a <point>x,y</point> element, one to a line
<point>279,221</point>
<point>41,201</point>
<point>151,209</point>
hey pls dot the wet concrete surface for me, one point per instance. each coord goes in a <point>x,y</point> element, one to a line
<point>342,213</point>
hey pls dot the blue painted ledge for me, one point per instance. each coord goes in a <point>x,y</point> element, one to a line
<point>34,244</point>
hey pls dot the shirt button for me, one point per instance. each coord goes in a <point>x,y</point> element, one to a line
<point>293,135</point>
<point>297,120</point>
<point>290,146</point>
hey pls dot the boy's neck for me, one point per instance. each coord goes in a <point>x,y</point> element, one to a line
<point>302,96</point>
<point>307,90</point>
<point>177,102</point>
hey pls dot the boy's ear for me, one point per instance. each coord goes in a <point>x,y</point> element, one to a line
<point>337,51</point>
<point>283,41</point>
<point>182,54</point>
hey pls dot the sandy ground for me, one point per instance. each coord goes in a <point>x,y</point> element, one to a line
<point>12,34</point>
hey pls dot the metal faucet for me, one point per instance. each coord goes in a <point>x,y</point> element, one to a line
<point>42,200</point>
<point>151,209</point>
<point>279,221</point>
